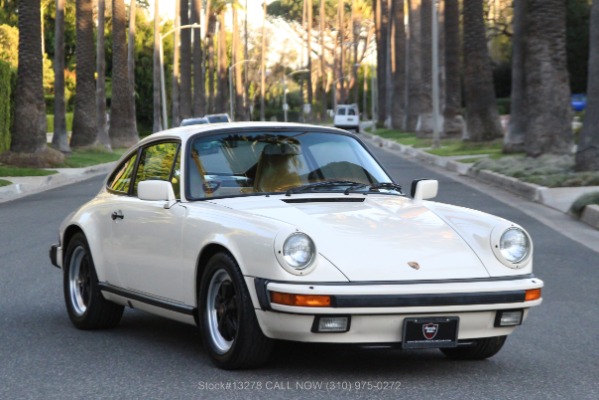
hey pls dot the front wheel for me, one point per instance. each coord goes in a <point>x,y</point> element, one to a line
<point>230,330</point>
<point>481,349</point>
<point>86,306</point>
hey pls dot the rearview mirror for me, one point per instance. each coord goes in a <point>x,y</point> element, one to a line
<point>156,190</point>
<point>423,189</point>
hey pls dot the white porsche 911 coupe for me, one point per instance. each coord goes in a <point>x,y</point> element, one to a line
<point>259,232</point>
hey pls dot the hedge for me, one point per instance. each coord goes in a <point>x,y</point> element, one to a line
<point>5,105</point>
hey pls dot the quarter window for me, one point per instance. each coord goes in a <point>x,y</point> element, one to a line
<point>120,181</point>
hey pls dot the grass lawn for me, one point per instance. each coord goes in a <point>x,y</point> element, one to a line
<point>77,159</point>
<point>547,170</point>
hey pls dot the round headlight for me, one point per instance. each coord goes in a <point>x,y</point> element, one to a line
<point>514,245</point>
<point>298,251</point>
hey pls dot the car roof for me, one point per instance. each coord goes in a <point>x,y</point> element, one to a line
<point>184,132</point>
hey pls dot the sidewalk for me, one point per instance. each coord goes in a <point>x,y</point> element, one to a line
<point>26,185</point>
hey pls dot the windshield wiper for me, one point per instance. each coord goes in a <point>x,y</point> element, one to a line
<point>376,186</point>
<point>312,187</point>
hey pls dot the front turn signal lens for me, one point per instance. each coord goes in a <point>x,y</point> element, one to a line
<point>532,294</point>
<point>300,300</point>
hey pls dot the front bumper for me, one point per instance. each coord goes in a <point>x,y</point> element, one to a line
<point>56,255</point>
<point>378,310</point>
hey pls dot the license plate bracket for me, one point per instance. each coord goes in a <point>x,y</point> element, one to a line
<point>430,332</point>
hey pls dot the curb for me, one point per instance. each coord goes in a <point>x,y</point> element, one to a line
<point>24,186</point>
<point>557,198</point>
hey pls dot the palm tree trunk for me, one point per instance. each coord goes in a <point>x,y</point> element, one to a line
<point>29,130</point>
<point>122,127</point>
<point>199,76</point>
<point>309,61</point>
<point>263,65</point>
<point>548,128</point>
<point>382,45</point>
<point>238,69</point>
<point>156,72</point>
<point>85,129</point>
<point>514,140</point>
<point>176,81</point>
<point>425,125</point>
<point>221,102</point>
<point>323,72</point>
<point>60,140</point>
<point>453,124</point>
<point>587,155</point>
<point>131,56</point>
<point>185,62</point>
<point>414,77</point>
<point>398,64</point>
<point>101,80</point>
<point>482,115</point>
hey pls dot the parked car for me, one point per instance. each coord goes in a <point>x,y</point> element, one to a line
<point>263,231</point>
<point>214,118</point>
<point>347,116</point>
<point>195,121</point>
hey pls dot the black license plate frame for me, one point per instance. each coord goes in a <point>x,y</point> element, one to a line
<point>430,332</point>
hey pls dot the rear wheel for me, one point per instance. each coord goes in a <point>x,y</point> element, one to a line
<point>230,330</point>
<point>86,306</point>
<point>481,349</point>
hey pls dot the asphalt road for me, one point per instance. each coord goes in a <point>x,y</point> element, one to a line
<point>555,355</point>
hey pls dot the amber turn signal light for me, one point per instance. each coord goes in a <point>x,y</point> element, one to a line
<point>532,294</point>
<point>300,300</point>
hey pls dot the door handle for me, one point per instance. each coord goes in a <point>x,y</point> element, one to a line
<point>117,214</point>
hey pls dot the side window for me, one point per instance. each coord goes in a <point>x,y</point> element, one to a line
<point>120,181</point>
<point>156,163</point>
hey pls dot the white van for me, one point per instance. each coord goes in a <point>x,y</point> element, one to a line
<point>347,116</point>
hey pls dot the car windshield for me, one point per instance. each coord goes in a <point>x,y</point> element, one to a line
<point>248,163</point>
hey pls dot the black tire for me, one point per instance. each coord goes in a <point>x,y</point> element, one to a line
<point>230,331</point>
<point>481,349</point>
<point>86,306</point>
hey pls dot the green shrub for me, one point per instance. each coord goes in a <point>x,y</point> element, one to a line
<point>583,201</point>
<point>5,105</point>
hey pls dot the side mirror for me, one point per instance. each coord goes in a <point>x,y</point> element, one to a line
<point>156,190</point>
<point>423,189</point>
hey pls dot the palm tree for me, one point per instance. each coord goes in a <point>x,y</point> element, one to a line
<point>548,128</point>
<point>156,81</point>
<point>398,65</point>
<point>414,65</point>
<point>482,115</point>
<point>60,140</point>
<point>221,94</point>
<point>453,121</point>
<point>176,81</point>
<point>382,18</point>
<point>426,86</point>
<point>309,21</point>
<point>587,155</point>
<point>131,56</point>
<point>122,127</point>
<point>322,16</point>
<point>85,129</point>
<point>199,90</point>
<point>514,140</point>
<point>101,80</point>
<point>29,130</point>
<point>185,62</point>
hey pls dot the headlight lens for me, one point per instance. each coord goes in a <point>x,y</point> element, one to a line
<point>514,245</point>
<point>298,251</point>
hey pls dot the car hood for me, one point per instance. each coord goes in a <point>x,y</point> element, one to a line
<point>375,237</point>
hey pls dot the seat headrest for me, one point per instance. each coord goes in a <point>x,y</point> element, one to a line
<point>281,149</point>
